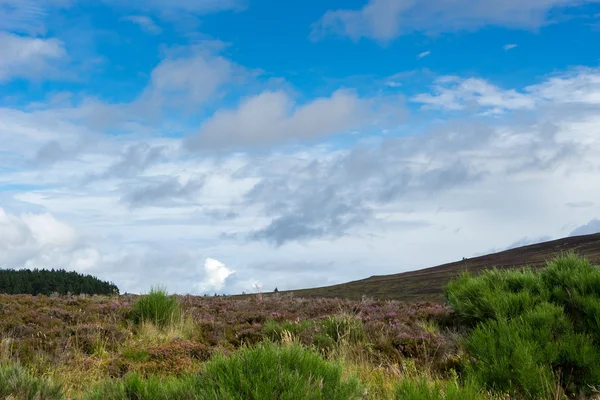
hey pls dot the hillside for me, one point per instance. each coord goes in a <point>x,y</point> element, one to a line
<point>427,284</point>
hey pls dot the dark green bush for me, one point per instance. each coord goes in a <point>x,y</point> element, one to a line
<point>535,332</point>
<point>265,372</point>
<point>157,307</point>
<point>17,383</point>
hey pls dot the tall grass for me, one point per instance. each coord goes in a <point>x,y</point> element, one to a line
<point>158,308</point>
<point>17,383</point>
<point>535,333</point>
<point>265,372</point>
<point>428,388</point>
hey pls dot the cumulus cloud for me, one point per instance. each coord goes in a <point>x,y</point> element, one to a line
<point>215,275</point>
<point>27,57</point>
<point>335,208</point>
<point>273,116</point>
<point>42,241</point>
<point>384,20</point>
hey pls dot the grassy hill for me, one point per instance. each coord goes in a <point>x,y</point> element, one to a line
<point>427,284</point>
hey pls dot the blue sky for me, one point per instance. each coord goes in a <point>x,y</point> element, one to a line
<point>299,144</point>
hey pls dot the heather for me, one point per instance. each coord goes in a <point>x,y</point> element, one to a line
<point>523,334</point>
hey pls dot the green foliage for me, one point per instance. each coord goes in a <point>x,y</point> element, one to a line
<point>46,282</point>
<point>273,330</point>
<point>264,372</point>
<point>426,388</point>
<point>277,372</point>
<point>343,327</point>
<point>17,383</point>
<point>532,330</point>
<point>158,308</point>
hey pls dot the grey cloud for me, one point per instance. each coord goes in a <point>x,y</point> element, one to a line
<point>384,20</point>
<point>162,191</point>
<point>328,197</point>
<point>51,153</point>
<point>274,117</point>
<point>135,160</point>
<point>589,228</point>
<point>580,204</point>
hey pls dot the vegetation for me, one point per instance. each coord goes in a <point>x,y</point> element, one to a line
<point>518,334</point>
<point>46,282</point>
<point>536,334</point>
<point>157,307</point>
<point>17,383</point>
<point>263,372</point>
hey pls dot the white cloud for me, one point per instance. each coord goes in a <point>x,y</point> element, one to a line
<point>336,209</point>
<point>384,20</point>
<point>424,54</point>
<point>216,274</point>
<point>145,22</point>
<point>579,86</point>
<point>27,57</point>
<point>509,46</point>
<point>28,16</point>
<point>191,78</point>
<point>273,116</point>
<point>453,93</point>
<point>42,241</point>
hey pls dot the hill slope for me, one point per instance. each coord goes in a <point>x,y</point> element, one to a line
<point>427,284</point>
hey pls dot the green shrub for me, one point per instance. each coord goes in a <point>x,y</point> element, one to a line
<point>134,387</point>
<point>17,383</point>
<point>273,330</point>
<point>535,332</point>
<point>425,388</point>
<point>264,372</point>
<point>158,308</point>
<point>343,327</point>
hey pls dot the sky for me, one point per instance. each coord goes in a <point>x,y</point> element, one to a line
<point>211,146</point>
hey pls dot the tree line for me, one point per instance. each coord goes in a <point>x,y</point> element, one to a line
<point>47,282</point>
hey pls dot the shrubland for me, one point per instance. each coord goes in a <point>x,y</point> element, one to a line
<point>524,334</point>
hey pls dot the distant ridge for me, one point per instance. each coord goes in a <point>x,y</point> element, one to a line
<point>427,284</point>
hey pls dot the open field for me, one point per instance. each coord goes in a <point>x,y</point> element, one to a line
<point>81,341</point>
<point>427,284</point>
<point>532,333</point>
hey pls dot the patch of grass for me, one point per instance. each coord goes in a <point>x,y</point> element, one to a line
<point>267,371</point>
<point>17,383</point>
<point>428,388</point>
<point>158,308</point>
<point>343,327</point>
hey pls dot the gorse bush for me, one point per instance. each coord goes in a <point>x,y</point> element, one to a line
<point>157,307</point>
<point>267,372</point>
<point>17,383</point>
<point>536,334</point>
